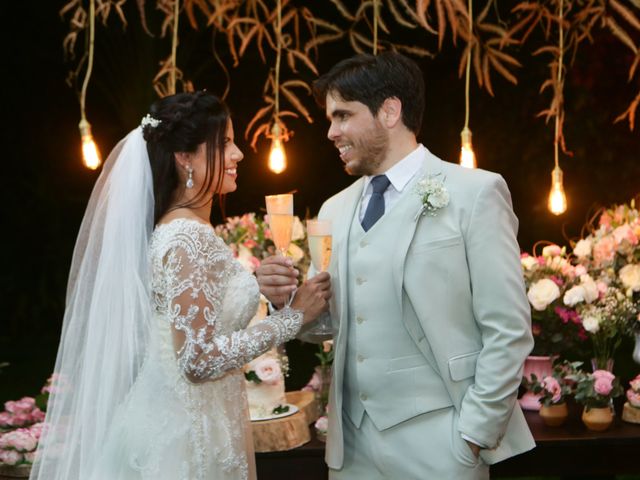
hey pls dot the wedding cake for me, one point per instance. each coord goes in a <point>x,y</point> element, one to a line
<point>265,386</point>
<point>265,380</point>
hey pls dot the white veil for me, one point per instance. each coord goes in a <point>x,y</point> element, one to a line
<point>104,334</point>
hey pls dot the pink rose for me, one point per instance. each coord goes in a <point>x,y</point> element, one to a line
<point>5,419</point>
<point>552,386</point>
<point>634,398</point>
<point>30,457</point>
<point>580,270</point>
<point>624,232</point>
<point>10,457</point>
<point>20,439</point>
<point>605,219</point>
<point>37,415</point>
<point>36,430</point>
<point>250,243</point>
<point>21,419</point>
<point>315,383</point>
<point>322,424</point>
<point>603,374</point>
<point>603,382</point>
<point>604,250</point>
<point>268,370</point>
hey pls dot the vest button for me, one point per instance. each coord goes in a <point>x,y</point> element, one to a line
<point>360,281</point>
<point>364,243</point>
<point>360,358</point>
<point>363,397</point>
<point>359,319</point>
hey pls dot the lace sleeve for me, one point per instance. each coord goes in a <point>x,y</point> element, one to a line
<point>197,272</point>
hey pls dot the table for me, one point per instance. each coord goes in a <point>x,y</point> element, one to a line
<point>570,451</point>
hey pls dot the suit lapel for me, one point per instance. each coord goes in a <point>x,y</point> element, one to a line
<point>408,208</point>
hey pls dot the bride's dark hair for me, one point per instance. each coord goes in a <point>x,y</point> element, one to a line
<point>185,121</point>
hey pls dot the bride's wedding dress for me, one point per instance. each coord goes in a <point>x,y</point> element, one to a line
<point>186,416</point>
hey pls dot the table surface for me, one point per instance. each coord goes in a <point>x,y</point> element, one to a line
<point>570,450</point>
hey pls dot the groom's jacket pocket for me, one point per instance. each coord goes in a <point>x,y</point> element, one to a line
<point>436,244</point>
<point>463,366</point>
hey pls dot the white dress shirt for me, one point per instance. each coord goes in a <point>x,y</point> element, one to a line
<point>399,175</point>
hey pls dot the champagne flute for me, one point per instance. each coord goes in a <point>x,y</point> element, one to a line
<point>280,211</point>
<point>320,239</point>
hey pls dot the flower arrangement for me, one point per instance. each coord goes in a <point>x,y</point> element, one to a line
<point>611,254</point>
<point>597,389</point>
<point>556,326</point>
<point>554,389</point>
<point>21,426</point>
<point>322,427</point>
<point>250,240</point>
<point>321,379</point>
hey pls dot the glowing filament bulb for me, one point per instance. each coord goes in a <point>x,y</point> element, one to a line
<point>90,153</point>
<point>557,197</point>
<point>467,157</point>
<point>277,155</point>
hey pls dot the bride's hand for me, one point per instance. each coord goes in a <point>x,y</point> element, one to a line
<point>277,279</point>
<point>312,298</point>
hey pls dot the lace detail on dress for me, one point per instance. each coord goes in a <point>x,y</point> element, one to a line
<point>196,269</point>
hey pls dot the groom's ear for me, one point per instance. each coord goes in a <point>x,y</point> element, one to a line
<point>390,112</point>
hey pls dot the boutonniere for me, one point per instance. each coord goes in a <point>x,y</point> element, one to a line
<point>433,195</point>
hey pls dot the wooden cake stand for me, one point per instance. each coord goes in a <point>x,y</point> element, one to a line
<point>288,432</point>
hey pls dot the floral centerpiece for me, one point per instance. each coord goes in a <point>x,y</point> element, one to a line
<point>597,389</point>
<point>249,237</point>
<point>21,426</point>
<point>556,326</point>
<point>611,254</point>
<point>554,389</point>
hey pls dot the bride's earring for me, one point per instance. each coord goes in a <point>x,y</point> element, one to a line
<point>189,183</point>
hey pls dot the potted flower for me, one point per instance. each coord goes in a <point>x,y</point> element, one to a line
<point>631,409</point>
<point>553,390</point>
<point>596,392</point>
<point>555,326</point>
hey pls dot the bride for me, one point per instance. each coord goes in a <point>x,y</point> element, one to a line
<point>155,328</point>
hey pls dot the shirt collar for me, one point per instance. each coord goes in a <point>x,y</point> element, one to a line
<point>402,172</point>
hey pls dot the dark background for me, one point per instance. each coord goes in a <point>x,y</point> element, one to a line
<point>45,187</point>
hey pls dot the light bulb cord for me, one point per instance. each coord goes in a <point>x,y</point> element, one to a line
<point>468,69</point>
<point>174,48</point>
<point>376,19</point>
<point>87,75</point>
<point>560,86</point>
<point>278,56</point>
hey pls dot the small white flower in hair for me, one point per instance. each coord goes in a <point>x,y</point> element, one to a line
<point>149,120</point>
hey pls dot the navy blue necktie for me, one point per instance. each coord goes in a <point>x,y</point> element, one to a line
<point>375,209</point>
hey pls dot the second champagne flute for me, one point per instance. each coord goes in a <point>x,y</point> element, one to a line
<point>280,212</point>
<point>320,239</point>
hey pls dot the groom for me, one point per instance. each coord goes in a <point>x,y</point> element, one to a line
<point>428,301</point>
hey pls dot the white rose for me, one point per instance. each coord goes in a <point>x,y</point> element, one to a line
<point>542,293</point>
<point>582,248</point>
<point>439,198</point>
<point>630,276</point>
<point>590,288</point>
<point>591,324</point>
<point>574,296</point>
<point>528,262</point>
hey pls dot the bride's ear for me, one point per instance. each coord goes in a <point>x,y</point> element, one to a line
<point>183,160</point>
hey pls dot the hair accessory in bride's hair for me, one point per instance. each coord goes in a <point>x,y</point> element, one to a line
<point>148,120</point>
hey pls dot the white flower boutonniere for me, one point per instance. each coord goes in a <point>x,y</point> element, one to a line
<point>433,194</point>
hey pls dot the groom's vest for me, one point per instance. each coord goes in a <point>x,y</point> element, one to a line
<point>386,375</point>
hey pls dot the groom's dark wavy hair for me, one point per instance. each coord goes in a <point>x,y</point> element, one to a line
<point>371,79</point>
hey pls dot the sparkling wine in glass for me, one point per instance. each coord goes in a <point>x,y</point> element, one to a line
<point>280,211</point>
<point>320,238</point>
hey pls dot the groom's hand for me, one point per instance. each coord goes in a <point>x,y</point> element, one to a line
<point>277,279</point>
<point>475,449</point>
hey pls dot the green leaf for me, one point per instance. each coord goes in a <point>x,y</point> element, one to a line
<point>251,376</point>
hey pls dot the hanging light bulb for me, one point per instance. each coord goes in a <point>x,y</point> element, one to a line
<point>277,155</point>
<point>557,197</point>
<point>467,156</point>
<point>90,153</point>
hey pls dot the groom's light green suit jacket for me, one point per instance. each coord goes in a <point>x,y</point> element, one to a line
<point>459,272</point>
